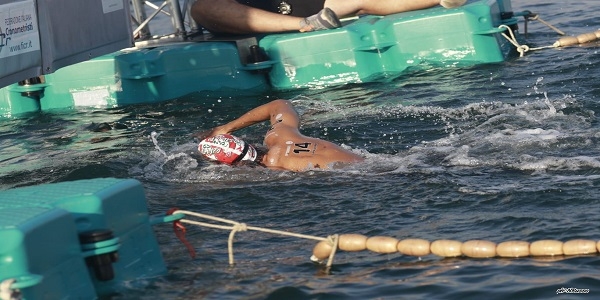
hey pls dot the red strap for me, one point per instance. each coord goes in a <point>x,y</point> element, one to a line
<point>180,233</point>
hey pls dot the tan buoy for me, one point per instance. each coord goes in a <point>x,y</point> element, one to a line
<point>546,248</point>
<point>322,250</point>
<point>352,242</point>
<point>566,41</point>
<point>587,37</point>
<point>542,249</point>
<point>513,249</point>
<point>414,247</point>
<point>576,40</point>
<point>382,244</point>
<point>575,247</point>
<point>478,249</point>
<point>446,248</point>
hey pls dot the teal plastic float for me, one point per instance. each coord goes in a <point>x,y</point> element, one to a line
<point>373,47</point>
<point>76,240</point>
<point>363,50</point>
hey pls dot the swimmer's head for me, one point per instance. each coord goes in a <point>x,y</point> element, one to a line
<point>227,149</point>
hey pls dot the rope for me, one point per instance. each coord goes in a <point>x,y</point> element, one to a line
<point>537,17</point>
<point>562,42</point>
<point>236,227</point>
<point>334,240</point>
<point>522,49</point>
<point>6,292</point>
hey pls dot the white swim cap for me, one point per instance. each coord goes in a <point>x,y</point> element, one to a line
<point>226,148</point>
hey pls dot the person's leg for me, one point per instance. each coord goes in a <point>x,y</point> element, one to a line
<point>452,3</point>
<point>228,16</point>
<point>384,7</point>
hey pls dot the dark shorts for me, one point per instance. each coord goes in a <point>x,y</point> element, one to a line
<point>298,8</point>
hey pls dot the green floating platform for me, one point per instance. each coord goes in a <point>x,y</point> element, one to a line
<point>363,50</point>
<point>76,240</point>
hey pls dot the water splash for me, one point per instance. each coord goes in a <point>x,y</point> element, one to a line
<point>182,164</point>
<point>161,165</point>
<point>153,137</point>
<point>545,134</point>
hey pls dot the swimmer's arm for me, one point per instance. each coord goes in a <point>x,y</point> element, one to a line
<point>282,111</point>
<point>277,111</point>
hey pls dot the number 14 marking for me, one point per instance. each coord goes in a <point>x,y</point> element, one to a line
<point>301,147</point>
<point>298,147</point>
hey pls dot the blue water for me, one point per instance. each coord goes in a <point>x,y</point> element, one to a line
<point>507,151</point>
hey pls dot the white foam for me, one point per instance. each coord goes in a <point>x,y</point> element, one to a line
<point>527,135</point>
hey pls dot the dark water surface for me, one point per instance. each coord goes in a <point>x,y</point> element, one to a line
<point>498,152</point>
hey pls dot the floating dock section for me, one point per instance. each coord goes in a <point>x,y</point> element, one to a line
<point>76,240</point>
<point>365,49</point>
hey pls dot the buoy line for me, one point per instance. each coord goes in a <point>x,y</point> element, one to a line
<point>327,247</point>
<point>562,42</point>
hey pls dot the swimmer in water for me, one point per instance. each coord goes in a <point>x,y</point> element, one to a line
<point>287,148</point>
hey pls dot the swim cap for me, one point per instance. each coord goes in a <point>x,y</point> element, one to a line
<point>226,148</point>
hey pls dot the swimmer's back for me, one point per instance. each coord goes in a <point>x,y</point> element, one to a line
<point>291,150</point>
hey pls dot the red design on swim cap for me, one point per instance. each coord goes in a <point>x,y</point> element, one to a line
<point>226,148</point>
